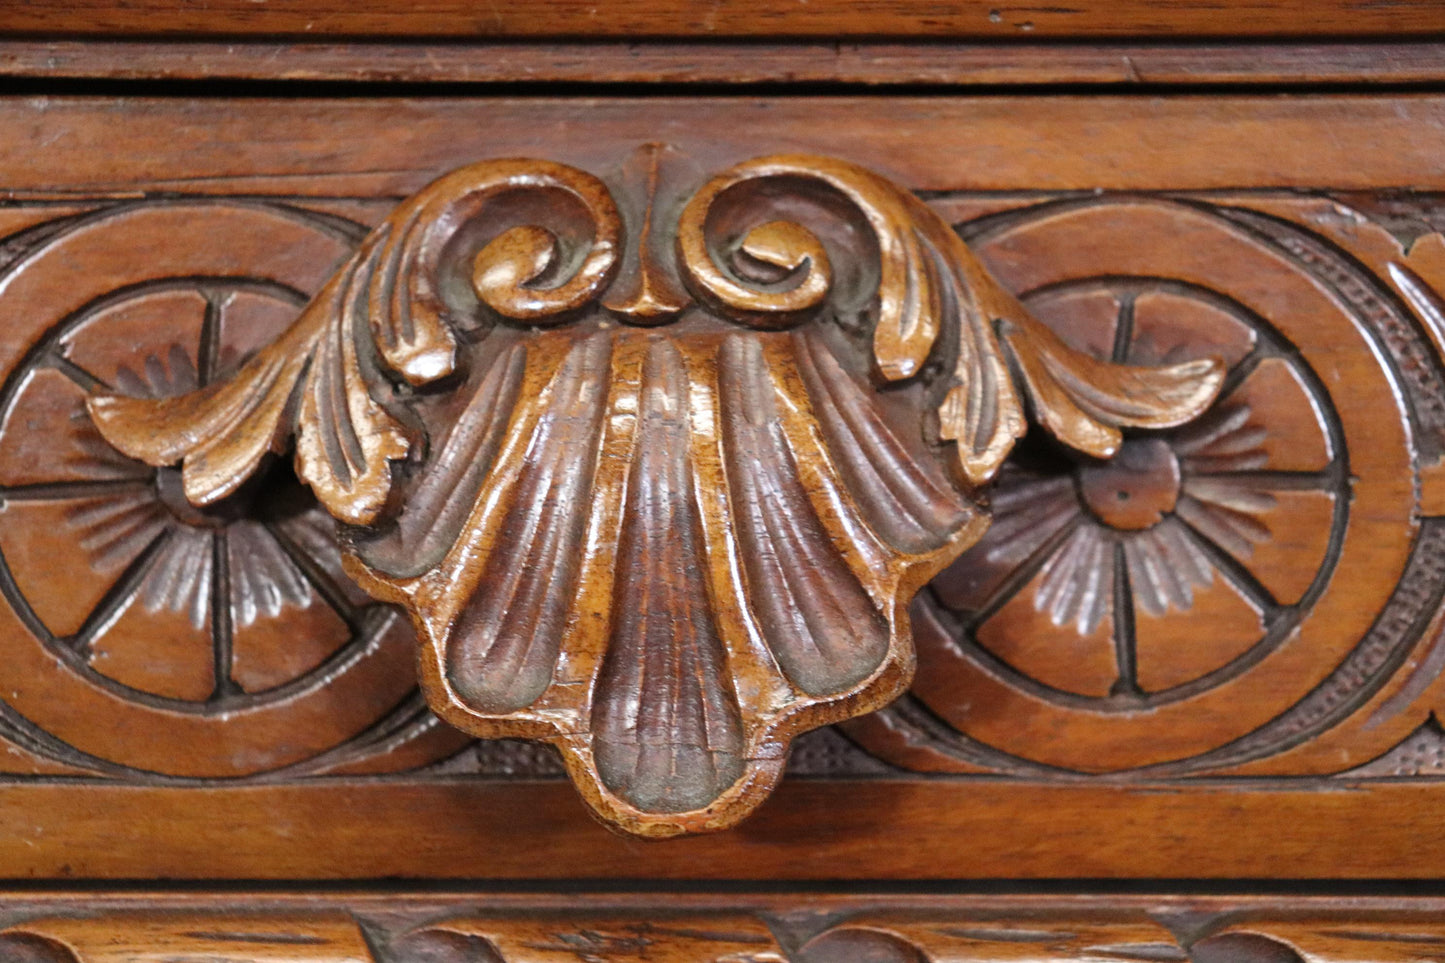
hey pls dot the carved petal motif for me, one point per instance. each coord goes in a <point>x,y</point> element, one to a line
<point>666,541</point>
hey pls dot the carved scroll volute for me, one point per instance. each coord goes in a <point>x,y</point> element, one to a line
<point>666,540</point>
<point>322,382</point>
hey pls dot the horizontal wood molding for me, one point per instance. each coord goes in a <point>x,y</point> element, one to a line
<point>1123,65</point>
<point>737,18</point>
<point>310,147</point>
<point>736,928</point>
<point>829,830</point>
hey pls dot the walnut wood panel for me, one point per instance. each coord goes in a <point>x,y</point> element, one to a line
<point>938,62</point>
<point>289,147</point>
<point>648,18</point>
<point>461,929</point>
<point>1228,639</point>
<point>668,516</point>
<point>823,830</point>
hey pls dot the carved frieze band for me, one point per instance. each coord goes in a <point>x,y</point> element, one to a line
<point>785,353</point>
<point>856,937</point>
<point>668,517</point>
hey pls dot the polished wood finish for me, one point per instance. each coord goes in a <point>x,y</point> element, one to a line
<point>459,928</point>
<point>1210,664</point>
<point>718,438</point>
<point>119,147</point>
<point>738,18</point>
<point>1228,640</point>
<point>966,64</point>
<point>860,832</point>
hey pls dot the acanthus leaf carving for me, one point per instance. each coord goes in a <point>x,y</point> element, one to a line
<point>928,278</point>
<point>413,930</point>
<point>314,383</point>
<point>665,541</point>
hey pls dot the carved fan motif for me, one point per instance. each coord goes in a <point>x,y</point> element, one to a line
<point>668,531</point>
<point>1194,606</point>
<point>156,557</point>
<point>1109,556</point>
<point>218,643</point>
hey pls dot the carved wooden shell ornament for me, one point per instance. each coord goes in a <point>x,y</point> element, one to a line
<point>655,482</point>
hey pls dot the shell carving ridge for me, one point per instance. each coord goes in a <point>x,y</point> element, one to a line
<point>655,468</point>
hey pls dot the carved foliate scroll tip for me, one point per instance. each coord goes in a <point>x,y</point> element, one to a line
<point>897,369</point>
<point>220,433</point>
<point>111,414</point>
<point>358,494</point>
<point>426,366</point>
<point>1201,381</point>
<point>428,355</point>
<point>502,269</point>
<point>980,452</point>
<point>786,245</point>
<point>1084,401</point>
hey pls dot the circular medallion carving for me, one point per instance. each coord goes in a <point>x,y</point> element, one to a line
<point>146,632</point>
<point>1175,608</point>
<point>1157,575</point>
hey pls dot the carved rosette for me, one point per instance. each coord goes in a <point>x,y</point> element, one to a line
<point>656,481</point>
<point>1252,594</point>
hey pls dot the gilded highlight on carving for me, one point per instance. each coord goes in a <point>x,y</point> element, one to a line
<point>657,492</point>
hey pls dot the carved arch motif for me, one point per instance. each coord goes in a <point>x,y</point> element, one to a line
<point>666,532</point>
<point>874,932</point>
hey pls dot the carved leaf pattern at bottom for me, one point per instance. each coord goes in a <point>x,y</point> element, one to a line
<point>873,936</point>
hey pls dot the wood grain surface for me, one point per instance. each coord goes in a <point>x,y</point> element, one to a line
<point>811,830</point>
<point>690,460</point>
<point>289,927</point>
<point>1115,64</point>
<point>734,18</point>
<point>368,148</point>
<point>1220,657</point>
